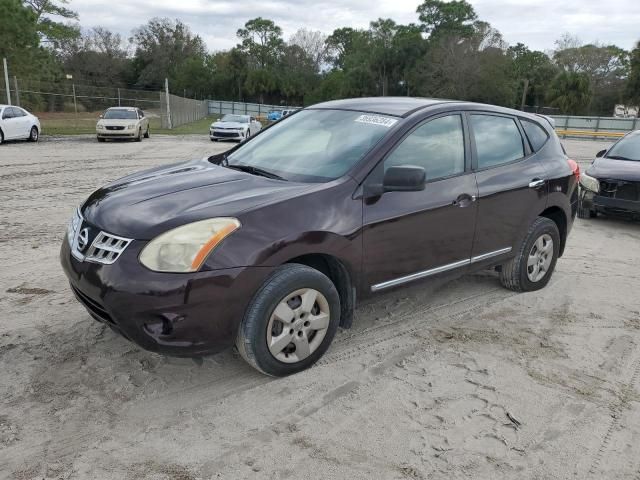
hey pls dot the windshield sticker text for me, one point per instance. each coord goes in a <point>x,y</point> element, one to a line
<point>377,120</point>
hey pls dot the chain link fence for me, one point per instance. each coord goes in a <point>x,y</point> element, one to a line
<point>67,107</point>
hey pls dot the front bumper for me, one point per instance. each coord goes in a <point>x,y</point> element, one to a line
<point>608,205</point>
<point>116,133</point>
<point>226,135</point>
<point>176,314</point>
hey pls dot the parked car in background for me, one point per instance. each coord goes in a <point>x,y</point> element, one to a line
<point>611,185</point>
<point>268,245</point>
<point>18,124</point>
<point>234,127</point>
<point>274,115</point>
<point>122,123</point>
<point>289,112</point>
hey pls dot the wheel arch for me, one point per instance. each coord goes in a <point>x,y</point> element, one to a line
<point>559,217</point>
<point>338,272</point>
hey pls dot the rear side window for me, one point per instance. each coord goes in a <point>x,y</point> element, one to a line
<point>498,140</point>
<point>536,134</point>
<point>6,113</point>
<point>437,146</point>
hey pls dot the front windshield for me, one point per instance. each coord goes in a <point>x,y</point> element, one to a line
<point>626,149</point>
<point>313,145</point>
<point>120,115</point>
<point>235,118</point>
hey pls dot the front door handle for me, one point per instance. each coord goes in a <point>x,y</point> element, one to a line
<point>536,183</point>
<point>464,200</point>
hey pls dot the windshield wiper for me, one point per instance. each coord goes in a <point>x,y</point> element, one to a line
<point>618,157</point>
<point>255,171</point>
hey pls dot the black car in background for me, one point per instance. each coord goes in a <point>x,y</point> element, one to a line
<point>611,185</point>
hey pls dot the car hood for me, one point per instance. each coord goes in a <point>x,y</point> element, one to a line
<point>145,204</point>
<point>229,125</point>
<point>615,169</point>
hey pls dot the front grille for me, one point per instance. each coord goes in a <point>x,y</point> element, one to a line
<point>218,133</point>
<point>106,248</point>
<point>88,243</point>
<point>94,308</point>
<point>114,127</point>
<point>620,189</point>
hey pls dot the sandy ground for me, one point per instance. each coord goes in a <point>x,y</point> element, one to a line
<point>466,380</point>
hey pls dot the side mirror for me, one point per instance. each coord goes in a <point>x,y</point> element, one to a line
<point>404,178</point>
<point>601,153</point>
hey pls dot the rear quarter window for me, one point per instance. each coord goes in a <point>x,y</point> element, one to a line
<point>535,133</point>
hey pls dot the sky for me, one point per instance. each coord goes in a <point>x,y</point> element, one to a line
<point>536,23</point>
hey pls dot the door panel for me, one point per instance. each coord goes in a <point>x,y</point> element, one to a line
<point>506,203</point>
<point>411,232</point>
<point>9,124</point>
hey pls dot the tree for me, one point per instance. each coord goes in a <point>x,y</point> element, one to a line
<point>51,31</point>
<point>632,88</point>
<point>446,18</point>
<point>314,45</point>
<point>162,47</point>
<point>261,41</point>
<point>570,92</point>
<point>535,67</point>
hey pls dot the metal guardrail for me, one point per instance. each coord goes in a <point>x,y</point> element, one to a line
<point>222,107</point>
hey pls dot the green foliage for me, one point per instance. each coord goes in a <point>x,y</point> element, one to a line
<point>261,41</point>
<point>54,32</point>
<point>632,90</point>
<point>570,92</point>
<point>447,18</point>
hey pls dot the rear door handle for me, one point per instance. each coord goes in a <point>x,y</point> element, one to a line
<point>536,183</point>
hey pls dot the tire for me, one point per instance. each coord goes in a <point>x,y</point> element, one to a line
<point>585,212</point>
<point>139,137</point>
<point>147,134</point>
<point>34,134</point>
<point>1,137</point>
<point>287,290</point>
<point>213,139</point>
<point>518,274</point>
<point>101,139</point>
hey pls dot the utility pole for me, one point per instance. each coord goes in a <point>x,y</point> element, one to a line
<point>6,81</point>
<point>166,93</point>
<point>524,94</point>
<point>15,84</point>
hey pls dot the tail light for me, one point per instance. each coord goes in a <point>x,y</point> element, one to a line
<point>575,168</point>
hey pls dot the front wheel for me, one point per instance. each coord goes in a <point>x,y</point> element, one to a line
<point>532,267</point>
<point>290,322</point>
<point>139,137</point>
<point>147,134</point>
<point>34,134</point>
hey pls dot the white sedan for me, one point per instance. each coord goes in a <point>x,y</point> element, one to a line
<point>18,124</point>
<point>234,127</point>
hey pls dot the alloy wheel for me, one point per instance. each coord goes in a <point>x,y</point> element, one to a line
<point>34,134</point>
<point>298,325</point>
<point>540,258</point>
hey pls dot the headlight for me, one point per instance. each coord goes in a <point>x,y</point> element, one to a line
<point>73,226</point>
<point>590,183</point>
<point>184,249</point>
<point>131,126</point>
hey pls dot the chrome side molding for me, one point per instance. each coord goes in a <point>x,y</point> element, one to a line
<point>433,271</point>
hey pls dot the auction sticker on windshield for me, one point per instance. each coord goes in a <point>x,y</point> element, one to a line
<point>377,120</point>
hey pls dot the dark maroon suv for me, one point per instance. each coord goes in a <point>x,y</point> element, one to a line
<point>269,245</point>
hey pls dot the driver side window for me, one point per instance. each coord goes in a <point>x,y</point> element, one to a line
<point>437,146</point>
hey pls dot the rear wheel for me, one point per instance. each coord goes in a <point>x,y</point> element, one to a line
<point>532,267</point>
<point>290,321</point>
<point>34,135</point>
<point>1,137</point>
